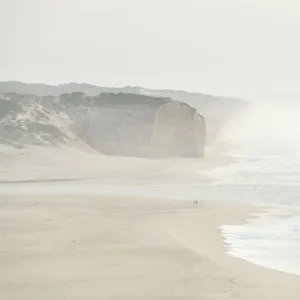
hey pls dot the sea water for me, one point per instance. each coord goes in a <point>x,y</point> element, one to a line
<point>268,176</point>
<point>268,241</point>
<point>267,171</point>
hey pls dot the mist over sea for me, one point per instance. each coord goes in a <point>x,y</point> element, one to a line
<point>267,171</point>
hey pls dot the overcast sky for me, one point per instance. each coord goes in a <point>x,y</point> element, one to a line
<point>215,46</point>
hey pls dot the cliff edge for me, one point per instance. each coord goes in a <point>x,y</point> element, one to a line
<point>113,124</point>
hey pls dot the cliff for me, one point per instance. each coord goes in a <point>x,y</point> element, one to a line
<point>217,111</point>
<point>178,131</point>
<point>113,124</point>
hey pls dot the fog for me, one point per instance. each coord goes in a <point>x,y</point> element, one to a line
<point>265,124</point>
<point>120,202</point>
<point>221,47</point>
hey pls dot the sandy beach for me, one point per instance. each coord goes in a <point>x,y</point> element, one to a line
<point>67,163</point>
<point>127,248</point>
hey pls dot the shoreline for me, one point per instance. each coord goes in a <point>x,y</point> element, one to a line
<point>276,224</point>
<point>112,247</point>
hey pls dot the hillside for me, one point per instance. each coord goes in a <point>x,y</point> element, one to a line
<point>112,124</point>
<point>216,110</point>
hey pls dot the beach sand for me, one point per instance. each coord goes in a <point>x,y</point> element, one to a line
<point>67,163</point>
<point>127,248</point>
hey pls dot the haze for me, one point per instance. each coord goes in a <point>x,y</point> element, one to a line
<point>241,48</point>
<point>149,192</point>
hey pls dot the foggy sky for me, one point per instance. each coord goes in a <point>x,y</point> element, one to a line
<point>232,47</point>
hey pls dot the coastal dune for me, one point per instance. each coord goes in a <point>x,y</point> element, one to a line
<point>127,248</point>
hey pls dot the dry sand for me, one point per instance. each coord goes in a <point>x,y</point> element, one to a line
<point>126,248</point>
<point>62,163</point>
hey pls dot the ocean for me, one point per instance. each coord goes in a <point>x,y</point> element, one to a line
<point>267,172</point>
<point>266,176</point>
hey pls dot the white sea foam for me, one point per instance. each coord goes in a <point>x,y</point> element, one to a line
<point>268,241</point>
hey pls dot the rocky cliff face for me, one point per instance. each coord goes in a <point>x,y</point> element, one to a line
<point>217,111</point>
<point>178,131</point>
<point>113,124</point>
